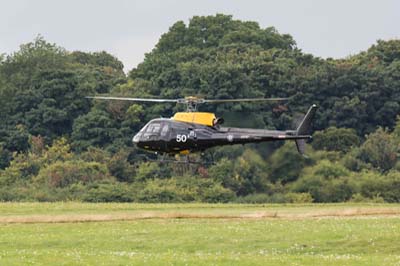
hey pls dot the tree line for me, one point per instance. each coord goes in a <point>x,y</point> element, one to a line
<point>57,145</point>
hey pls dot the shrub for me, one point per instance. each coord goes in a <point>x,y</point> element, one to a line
<point>329,169</point>
<point>160,191</point>
<point>13,193</point>
<point>22,168</point>
<point>324,190</point>
<point>372,185</point>
<point>325,182</point>
<point>186,189</point>
<point>109,192</point>
<point>278,198</point>
<point>357,197</point>
<point>299,197</point>
<point>351,161</point>
<point>245,175</point>
<point>63,174</point>
<point>254,198</point>
<point>223,172</point>
<point>147,170</point>
<point>285,164</point>
<point>119,166</point>
<point>218,193</point>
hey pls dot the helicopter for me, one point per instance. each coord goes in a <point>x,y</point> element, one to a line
<point>192,131</point>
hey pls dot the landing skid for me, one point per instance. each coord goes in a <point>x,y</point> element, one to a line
<point>165,158</point>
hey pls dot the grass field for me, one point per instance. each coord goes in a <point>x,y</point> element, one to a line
<point>198,234</point>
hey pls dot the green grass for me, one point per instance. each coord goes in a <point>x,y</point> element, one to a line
<point>294,240</point>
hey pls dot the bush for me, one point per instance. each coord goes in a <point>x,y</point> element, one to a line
<point>259,198</point>
<point>109,192</point>
<point>324,190</point>
<point>299,197</point>
<point>62,174</point>
<point>278,198</point>
<point>328,169</point>
<point>254,198</point>
<point>325,182</point>
<point>372,185</point>
<point>12,193</point>
<point>351,161</point>
<point>147,170</point>
<point>160,191</point>
<point>28,192</point>
<point>22,168</point>
<point>119,166</point>
<point>360,198</point>
<point>290,197</point>
<point>245,175</point>
<point>218,193</point>
<point>222,172</point>
<point>285,164</point>
<point>184,189</point>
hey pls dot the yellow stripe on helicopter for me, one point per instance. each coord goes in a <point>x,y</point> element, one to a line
<point>207,119</point>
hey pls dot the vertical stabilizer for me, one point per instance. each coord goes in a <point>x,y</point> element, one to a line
<point>305,125</point>
<point>304,129</point>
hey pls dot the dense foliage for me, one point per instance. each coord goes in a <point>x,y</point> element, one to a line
<point>57,145</point>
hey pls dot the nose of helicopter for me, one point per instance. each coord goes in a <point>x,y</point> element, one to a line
<point>136,138</point>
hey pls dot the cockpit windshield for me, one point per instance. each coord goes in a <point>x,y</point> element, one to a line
<point>153,128</point>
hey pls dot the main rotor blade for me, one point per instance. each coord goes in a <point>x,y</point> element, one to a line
<point>244,100</point>
<point>133,99</point>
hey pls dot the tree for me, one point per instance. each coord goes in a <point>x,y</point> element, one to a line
<point>5,157</point>
<point>335,139</point>
<point>43,89</point>
<point>285,164</point>
<point>396,131</point>
<point>380,149</point>
<point>223,172</point>
<point>96,128</point>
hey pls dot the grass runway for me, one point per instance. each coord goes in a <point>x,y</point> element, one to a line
<point>199,234</point>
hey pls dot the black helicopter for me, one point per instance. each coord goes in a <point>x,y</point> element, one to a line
<point>192,131</point>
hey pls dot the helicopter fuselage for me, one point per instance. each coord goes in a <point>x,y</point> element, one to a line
<point>169,136</point>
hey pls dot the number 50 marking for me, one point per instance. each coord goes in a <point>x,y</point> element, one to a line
<point>181,138</point>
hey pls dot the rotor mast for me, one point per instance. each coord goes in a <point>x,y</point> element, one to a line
<point>191,103</point>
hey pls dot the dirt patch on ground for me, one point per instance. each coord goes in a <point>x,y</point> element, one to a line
<point>312,214</point>
<point>351,212</point>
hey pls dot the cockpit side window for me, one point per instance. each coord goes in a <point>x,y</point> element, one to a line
<point>164,130</point>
